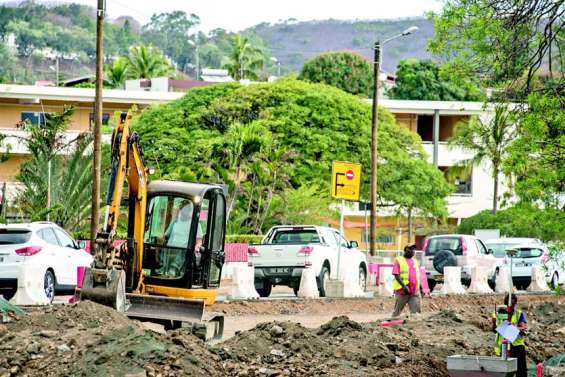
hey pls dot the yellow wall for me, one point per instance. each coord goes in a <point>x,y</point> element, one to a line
<point>10,112</point>
<point>409,121</point>
<point>385,225</point>
<point>10,117</point>
<point>9,169</point>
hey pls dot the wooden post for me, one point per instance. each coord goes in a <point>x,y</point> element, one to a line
<point>97,132</point>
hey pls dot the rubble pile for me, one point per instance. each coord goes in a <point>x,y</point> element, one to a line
<point>88,339</point>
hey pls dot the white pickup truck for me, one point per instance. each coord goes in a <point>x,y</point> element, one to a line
<point>286,250</point>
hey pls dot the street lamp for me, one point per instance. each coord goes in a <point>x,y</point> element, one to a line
<point>195,45</point>
<point>374,129</point>
<point>275,60</point>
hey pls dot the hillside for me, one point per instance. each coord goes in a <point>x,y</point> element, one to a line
<point>28,49</point>
<point>293,43</point>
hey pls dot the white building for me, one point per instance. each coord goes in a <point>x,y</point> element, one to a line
<point>435,122</point>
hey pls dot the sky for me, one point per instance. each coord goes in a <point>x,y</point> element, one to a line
<point>235,15</point>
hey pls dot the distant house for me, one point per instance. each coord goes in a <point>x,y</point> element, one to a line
<point>164,84</point>
<point>215,75</point>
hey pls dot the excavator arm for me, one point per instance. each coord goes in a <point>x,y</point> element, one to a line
<point>114,268</point>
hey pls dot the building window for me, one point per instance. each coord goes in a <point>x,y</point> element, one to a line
<point>462,179</point>
<point>105,119</point>
<point>385,239</point>
<point>33,118</point>
<point>447,126</point>
<point>425,127</point>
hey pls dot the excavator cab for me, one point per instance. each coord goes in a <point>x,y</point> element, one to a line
<point>184,240</point>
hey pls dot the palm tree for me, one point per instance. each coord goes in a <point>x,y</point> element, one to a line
<point>487,141</point>
<point>70,179</point>
<point>116,73</point>
<point>245,59</point>
<point>145,62</point>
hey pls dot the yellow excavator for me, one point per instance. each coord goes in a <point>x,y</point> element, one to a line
<point>169,268</point>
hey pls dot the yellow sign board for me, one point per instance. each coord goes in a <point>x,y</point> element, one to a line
<point>346,180</point>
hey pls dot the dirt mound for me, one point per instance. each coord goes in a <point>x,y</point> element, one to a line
<point>88,339</point>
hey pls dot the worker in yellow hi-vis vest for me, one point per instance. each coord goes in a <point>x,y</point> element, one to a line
<point>518,319</point>
<point>406,284</point>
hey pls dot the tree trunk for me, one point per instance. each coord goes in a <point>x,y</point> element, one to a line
<point>410,233</point>
<point>495,195</point>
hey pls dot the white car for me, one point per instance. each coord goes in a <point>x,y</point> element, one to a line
<point>287,250</point>
<point>456,250</point>
<point>529,252</point>
<point>555,268</point>
<point>44,245</point>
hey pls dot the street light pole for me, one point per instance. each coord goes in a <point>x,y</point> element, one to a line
<point>374,154</point>
<point>374,134</point>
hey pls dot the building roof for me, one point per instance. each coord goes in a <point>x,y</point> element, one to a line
<point>428,107</point>
<point>85,95</point>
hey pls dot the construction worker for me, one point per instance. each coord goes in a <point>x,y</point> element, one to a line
<point>406,283</point>
<point>518,319</point>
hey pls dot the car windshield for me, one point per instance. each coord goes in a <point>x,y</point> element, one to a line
<point>499,249</point>
<point>444,243</point>
<point>14,236</point>
<point>296,236</point>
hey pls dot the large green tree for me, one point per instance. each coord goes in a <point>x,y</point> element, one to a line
<point>170,32</point>
<point>304,126</point>
<point>426,80</point>
<point>536,157</point>
<point>245,60</point>
<point>345,70</point>
<point>500,41</point>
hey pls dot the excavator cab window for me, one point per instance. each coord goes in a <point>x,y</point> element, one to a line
<point>167,236</point>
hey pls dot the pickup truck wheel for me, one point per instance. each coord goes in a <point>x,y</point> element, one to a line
<point>323,280</point>
<point>444,258</point>
<point>266,290</point>
<point>554,280</point>
<point>362,278</point>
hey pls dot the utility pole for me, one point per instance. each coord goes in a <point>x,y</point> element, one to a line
<point>95,213</point>
<point>374,137</point>
<point>374,132</point>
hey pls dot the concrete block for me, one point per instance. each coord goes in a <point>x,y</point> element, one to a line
<point>243,286</point>
<point>385,282</point>
<point>538,284</point>
<point>471,365</point>
<point>479,280</point>
<point>30,286</point>
<point>335,288</point>
<point>308,286</point>
<point>503,280</point>
<point>452,281</point>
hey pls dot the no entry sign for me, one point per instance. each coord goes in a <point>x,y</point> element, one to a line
<point>346,180</point>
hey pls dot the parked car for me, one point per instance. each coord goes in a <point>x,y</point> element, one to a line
<point>456,250</point>
<point>41,244</point>
<point>287,250</point>
<point>555,268</point>
<point>528,252</point>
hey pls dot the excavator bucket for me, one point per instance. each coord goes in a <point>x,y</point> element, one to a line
<point>164,308</point>
<point>106,287</point>
<point>189,312</point>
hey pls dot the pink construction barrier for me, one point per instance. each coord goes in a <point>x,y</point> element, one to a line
<point>424,281</point>
<point>80,276</point>
<point>235,252</point>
